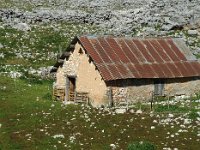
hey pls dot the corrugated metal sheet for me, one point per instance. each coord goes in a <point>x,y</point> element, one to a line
<point>122,58</point>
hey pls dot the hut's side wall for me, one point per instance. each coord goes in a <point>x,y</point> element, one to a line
<point>88,78</point>
<point>183,86</point>
<point>59,85</point>
<point>135,90</point>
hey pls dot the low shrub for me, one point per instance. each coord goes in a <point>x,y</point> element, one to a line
<point>143,145</point>
<point>193,115</point>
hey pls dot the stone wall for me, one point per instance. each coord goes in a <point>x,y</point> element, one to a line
<point>133,90</point>
<point>137,90</point>
<point>182,86</point>
<point>69,68</point>
<point>60,79</point>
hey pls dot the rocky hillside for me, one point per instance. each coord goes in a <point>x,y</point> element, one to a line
<point>119,16</point>
<point>32,32</point>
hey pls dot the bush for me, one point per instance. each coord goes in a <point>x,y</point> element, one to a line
<point>193,115</point>
<point>143,145</point>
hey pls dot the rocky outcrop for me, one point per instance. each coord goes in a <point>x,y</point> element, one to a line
<point>120,17</point>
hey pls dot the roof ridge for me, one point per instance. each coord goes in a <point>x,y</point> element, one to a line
<point>91,36</point>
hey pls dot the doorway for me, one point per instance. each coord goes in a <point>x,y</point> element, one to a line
<point>159,87</point>
<point>72,88</point>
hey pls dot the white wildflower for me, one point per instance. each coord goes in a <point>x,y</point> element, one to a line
<point>59,136</point>
<point>113,146</point>
<point>72,139</point>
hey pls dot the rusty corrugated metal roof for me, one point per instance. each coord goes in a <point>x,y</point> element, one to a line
<point>122,58</point>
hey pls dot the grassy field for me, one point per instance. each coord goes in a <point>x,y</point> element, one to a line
<point>38,47</point>
<point>24,52</point>
<point>30,119</point>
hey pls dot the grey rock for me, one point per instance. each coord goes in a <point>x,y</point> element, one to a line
<point>2,27</point>
<point>15,74</point>
<point>32,71</point>
<point>19,55</point>
<point>149,29</point>
<point>172,26</point>
<point>167,27</point>
<point>2,55</point>
<point>139,111</point>
<point>196,50</point>
<point>120,111</point>
<point>1,46</point>
<point>131,111</point>
<point>193,32</point>
<point>44,71</point>
<point>22,27</point>
<point>187,121</point>
<point>168,21</point>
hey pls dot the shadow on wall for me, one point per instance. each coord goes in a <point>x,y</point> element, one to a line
<point>129,82</point>
<point>144,82</point>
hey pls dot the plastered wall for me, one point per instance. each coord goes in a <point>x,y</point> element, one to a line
<point>88,78</point>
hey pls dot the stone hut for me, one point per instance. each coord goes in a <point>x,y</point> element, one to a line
<point>108,70</point>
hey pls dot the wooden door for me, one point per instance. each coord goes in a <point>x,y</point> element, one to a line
<point>159,87</point>
<point>72,87</point>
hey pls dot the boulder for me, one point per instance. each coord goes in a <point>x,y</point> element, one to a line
<point>1,46</point>
<point>15,74</point>
<point>22,27</point>
<point>2,55</point>
<point>193,32</point>
<point>139,111</point>
<point>170,115</point>
<point>131,111</point>
<point>120,110</point>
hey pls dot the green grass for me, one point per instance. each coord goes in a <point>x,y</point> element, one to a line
<point>29,119</point>
<point>38,47</point>
<point>171,108</point>
<point>196,96</point>
<point>160,105</point>
<point>193,115</point>
<point>143,145</point>
<point>197,56</point>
